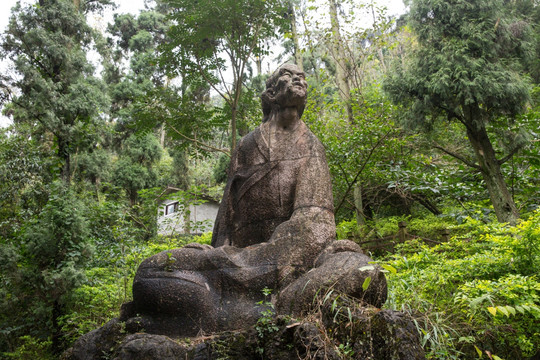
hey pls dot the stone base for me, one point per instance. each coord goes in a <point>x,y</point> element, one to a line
<point>339,327</point>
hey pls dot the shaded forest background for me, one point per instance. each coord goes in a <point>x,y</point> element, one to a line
<point>431,118</point>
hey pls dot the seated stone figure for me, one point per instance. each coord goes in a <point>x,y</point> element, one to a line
<point>275,229</point>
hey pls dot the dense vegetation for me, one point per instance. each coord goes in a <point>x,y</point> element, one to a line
<point>431,118</point>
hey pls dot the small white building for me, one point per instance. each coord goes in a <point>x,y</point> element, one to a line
<point>174,218</point>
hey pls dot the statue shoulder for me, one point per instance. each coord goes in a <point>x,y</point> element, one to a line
<point>316,145</point>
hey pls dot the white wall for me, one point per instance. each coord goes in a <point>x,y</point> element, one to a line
<point>202,218</point>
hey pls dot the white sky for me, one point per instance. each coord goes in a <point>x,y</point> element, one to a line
<point>394,7</point>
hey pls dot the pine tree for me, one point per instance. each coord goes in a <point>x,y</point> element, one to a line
<point>467,68</point>
<point>57,94</point>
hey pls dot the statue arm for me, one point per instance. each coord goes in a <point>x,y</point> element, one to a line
<point>220,234</point>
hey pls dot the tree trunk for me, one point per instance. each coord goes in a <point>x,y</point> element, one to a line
<point>294,33</point>
<point>56,337</point>
<point>358,204</point>
<point>63,153</point>
<point>501,199</point>
<point>341,63</point>
<point>234,108</point>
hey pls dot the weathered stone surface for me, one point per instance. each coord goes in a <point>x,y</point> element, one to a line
<point>150,347</point>
<point>340,326</point>
<point>93,345</point>
<point>372,334</point>
<point>395,337</point>
<point>341,266</point>
<point>275,229</point>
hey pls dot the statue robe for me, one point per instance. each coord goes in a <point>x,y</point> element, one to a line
<point>275,229</point>
<point>269,183</point>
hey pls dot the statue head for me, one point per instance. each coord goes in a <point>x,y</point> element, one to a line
<point>286,87</point>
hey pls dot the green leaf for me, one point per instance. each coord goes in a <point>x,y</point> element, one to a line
<point>492,310</point>
<point>478,351</point>
<point>389,268</point>
<point>503,310</point>
<point>366,283</point>
<point>367,268</point>
<point>511,309</point>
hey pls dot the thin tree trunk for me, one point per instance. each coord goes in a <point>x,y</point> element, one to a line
<point>501,199</point>
<point>63,153</point>
<point>294,33</point>
<point>339,57</point>
<point>358,204</point>
<point>234,107</point>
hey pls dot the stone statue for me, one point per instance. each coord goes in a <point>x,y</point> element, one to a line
<point>275,229</point>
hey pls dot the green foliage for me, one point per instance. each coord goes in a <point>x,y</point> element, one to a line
<point>206,38</point>
<point>135,169</point>
<point>467,67</point>
<point>357,152</point>
<point>205,238</point>
<point>467,54</point>
<point>266,324</point>
<point>480,288</point>
<point>428,226</point>
<point>57,92</point>
<point>220,171</point>
<point>30,349</point>
<point>347,229</point>
<point>44,265</point>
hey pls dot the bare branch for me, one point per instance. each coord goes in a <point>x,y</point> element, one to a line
<point>459,157</point>
<point>510,154</point>
<point>199,143</point>
<point>370,154</point>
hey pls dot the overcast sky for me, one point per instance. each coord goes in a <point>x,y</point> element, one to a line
<point>395,7</point>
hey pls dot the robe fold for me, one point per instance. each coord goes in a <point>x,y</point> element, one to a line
<point>269,183</point>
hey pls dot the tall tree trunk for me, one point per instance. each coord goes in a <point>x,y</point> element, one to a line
<point>56,328</point>
<point>340,59</point>
<point>77,4</point>
<point>63,153</point>
<point>234,106</point>
<point>294,34</point>
<point>358,204</point>
<point>501,199</point>
<point>162,135</point>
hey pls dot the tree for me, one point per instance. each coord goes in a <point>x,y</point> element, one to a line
<point>57,94</point>
<point>134,40</point>
<point>135,169</point>
<point>43,265</point>
<point>209,37</point>
<point>466,68</point>
<point>342,68</point>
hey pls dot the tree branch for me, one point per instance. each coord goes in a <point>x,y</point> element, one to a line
<point>371,151</point>
<point>510,154</point>
<point>459,157</point>
<point>199,143</point>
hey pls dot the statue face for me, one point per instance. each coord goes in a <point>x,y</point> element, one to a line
<point>291,86</point>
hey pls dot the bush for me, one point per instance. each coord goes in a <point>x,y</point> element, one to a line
<point>478,292</point>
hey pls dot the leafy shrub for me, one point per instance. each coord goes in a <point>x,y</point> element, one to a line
<point>30,348</point>
<point>205,238</point>
<point>347,229</point>
<point>478,292</point>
